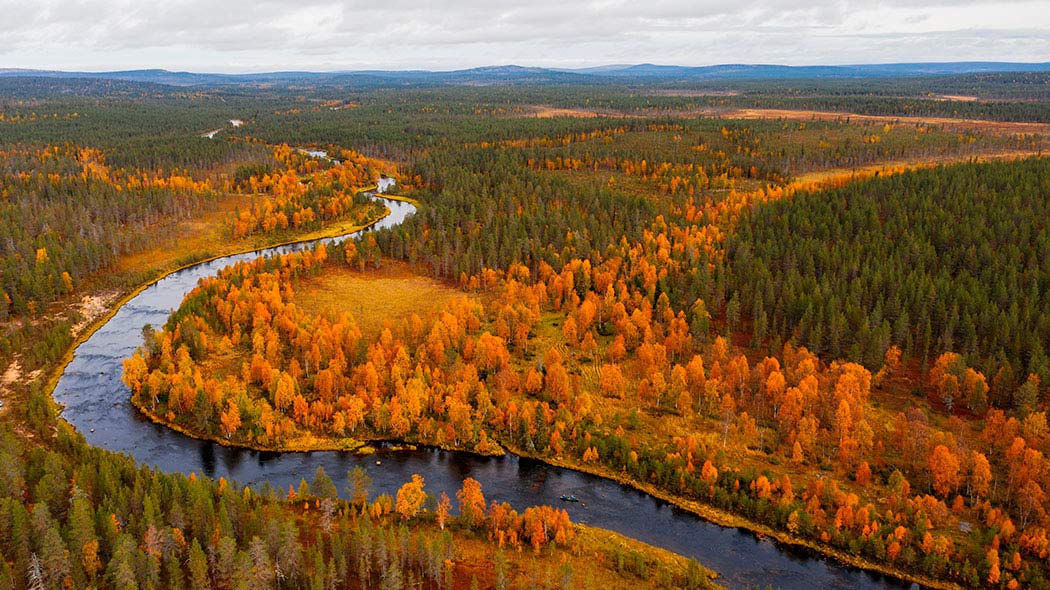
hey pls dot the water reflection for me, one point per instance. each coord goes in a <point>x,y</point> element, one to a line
<point>207,454</point>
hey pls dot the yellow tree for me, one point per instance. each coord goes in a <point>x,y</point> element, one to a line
<point>230,419</point>
<point>284,392</point>
<point>135,373</point>
<point>410,497</point>
<point>471,502</point>
<point>557,382</point>
<point>443,508</point>
<point>944,470</point>
<point>980,476</point>
<point>612,381</point>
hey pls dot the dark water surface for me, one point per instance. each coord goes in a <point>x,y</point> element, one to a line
<point>99,405</point>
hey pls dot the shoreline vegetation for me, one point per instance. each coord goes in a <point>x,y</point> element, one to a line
<point>728,519</point>
<point>363,446</point>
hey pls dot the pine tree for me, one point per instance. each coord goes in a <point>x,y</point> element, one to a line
<point>322,485</point>
<point>198,567</point>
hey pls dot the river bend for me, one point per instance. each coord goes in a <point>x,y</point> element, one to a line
<point>98,404</point>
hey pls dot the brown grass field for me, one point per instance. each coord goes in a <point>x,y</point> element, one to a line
<point>207,235</point>
<point>548,112</point>
<point>993,127</point>
<point>833,175</point>
<point>591,557</point>
<point>375,298</point>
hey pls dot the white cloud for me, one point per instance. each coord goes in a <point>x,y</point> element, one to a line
<point>252,35</point>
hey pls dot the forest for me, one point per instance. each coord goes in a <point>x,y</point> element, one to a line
<point>952,261</point>
<point>69,215</point>
<point>73,516</point>
<point>829,328</point>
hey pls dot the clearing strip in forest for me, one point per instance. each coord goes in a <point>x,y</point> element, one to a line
<point>997,127</point>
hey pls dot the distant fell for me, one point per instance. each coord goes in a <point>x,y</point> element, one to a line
<point>515,74</point>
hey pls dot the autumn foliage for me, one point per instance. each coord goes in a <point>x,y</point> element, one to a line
<point>625,355</point>
<point>308,192</point>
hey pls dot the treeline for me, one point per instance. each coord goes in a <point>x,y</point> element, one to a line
<point>495,203</point>
<point>949,259</point>
<point>692,156</point>
<point>42,87</point>
<point>156,131</point>
<point>163,128</point>
<point>401,126</point>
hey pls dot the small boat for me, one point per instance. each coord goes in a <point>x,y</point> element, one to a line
<point>569,499</point>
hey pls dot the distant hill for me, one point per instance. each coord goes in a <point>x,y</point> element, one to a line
<point>766,72</point>
<point>30,84</point>
<point>512,74</point>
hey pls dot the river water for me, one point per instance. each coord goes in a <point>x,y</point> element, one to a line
<point>98,404</point>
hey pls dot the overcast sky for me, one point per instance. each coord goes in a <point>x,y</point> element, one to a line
<point>322,35</point>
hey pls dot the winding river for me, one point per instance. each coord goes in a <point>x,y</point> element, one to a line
<point>98,404</point>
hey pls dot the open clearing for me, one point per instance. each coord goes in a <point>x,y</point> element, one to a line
<point>832,175</point>
<point>692,92</point>
<point>987,126</point>
<point>205,233</point>
<point>1003,127</point>
<point>549,112</point>
<point>375,298</point>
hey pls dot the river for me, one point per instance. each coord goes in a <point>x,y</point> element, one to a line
<point>98,404</point>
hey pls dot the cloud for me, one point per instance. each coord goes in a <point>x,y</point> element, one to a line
<point>239,35</point>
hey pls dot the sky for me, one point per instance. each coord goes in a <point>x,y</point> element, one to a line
<point>330,35</point>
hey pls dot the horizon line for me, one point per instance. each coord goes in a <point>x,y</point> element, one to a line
<point>449,69</point>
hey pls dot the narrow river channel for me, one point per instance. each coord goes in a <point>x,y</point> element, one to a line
<point>98,404</point>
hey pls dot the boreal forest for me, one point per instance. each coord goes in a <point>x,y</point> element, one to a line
<point>814,309</point>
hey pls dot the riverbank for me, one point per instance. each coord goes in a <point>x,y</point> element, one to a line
<point>604,546</point>
<point>704,511</point>
<point>729,519</point>
<point>308,443</point>
<point>193,259</point>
